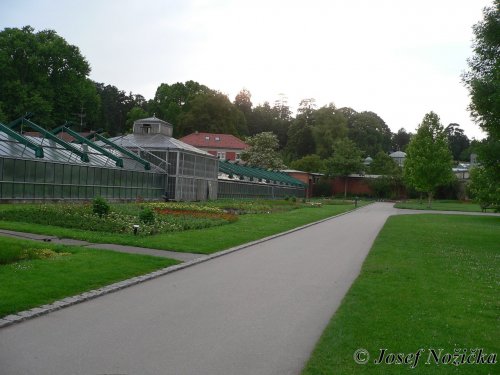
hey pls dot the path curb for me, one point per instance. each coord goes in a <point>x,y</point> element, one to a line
<point>85,296</point>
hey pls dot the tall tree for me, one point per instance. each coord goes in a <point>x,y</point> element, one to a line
<point>243,101</point>
<point>483,188</point>
<point>348,114</point>
<point>263,151</point>
<point>300,133</point>
<point>136,113</point>
<point>300,139</point>
<point>457,141</point>
<point>389,182</point>
<point>346,159</point>
<point>261,119</point>
<point>483,82</point>
<point>329,125</point>
<point>383,164</point>
<point>282,109</point>
<point>483,76</point>
<point>428,163</point>
<point>212,112</point>
<point>306,109</point>
<point>282,119</point>
<point>115,104</point>
<point>41,73</point>
<point>309,163</point>
<point>172,100</point>
<point>400,140</point>
<point>369,132</point>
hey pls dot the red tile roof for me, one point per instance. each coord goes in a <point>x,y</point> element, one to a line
<point>211,140</point>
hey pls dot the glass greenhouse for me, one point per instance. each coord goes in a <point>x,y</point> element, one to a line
<point>192,173</point>
<point>241,181</point>
<point>148,164</point>
<point>42,168</point>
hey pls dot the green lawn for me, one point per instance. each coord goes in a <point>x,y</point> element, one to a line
<point>29,283</point>
<point>429,282</point>
<point>249,227</point>
<point>440,205</point>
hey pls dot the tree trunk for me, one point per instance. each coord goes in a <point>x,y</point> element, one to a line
<point>345,187</point>
<point>429,202</point>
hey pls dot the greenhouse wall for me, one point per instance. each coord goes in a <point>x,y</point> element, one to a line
<point>235,189</point>
<point>22,179</point>
<point>191,177</point>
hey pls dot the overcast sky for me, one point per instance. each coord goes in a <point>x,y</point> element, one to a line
<point>397,58</point>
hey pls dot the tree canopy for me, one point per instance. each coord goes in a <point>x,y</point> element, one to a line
<point>213,113</point>
<point>41,73</point>
<point>428,162</point>
<point>483,76</point>
<point>263,151</point>
<point>400,140</point>
<point>383,164</point>
<point>483,82</point>
<point>346,159</point>
<point>369,132</point>
<point>329,125</point>
<point>458,142</point>
<point>115,105</point>
<point>172,100</point>
<point>309,163</point>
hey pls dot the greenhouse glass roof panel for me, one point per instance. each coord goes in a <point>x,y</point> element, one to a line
<point>53,152</point>
<point>259,173</point>
<point>155,142</point>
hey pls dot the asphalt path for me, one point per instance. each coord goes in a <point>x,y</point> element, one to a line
<point>256,311</point>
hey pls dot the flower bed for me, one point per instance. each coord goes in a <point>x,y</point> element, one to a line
<point>119,219</point>
<point>229,217</point>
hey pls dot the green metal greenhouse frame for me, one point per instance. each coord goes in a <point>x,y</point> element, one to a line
<point>49,168</point>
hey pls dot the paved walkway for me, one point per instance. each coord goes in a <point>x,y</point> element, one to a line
<point>184,257</point>
<point>257,311</point>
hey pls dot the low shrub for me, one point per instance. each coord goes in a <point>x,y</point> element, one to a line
<point>100,207</point>
<point>147,216</point>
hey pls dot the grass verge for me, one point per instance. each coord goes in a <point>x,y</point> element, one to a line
<point>204,241</point>
<point>39,279</point>
<point>429,282</point>
<point>440,205</point>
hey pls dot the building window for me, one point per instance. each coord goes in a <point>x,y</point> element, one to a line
<point>217,138</point>
<point>238,156</point>
<point>221,155</point>
<point>146,129</point>
<point>207,138</point>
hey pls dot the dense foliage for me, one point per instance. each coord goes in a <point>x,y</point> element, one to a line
<point>263,151</point>
<point>428,163</point>
<point>483,81</point>
<point>346,159</point>
<point>40,72</point>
